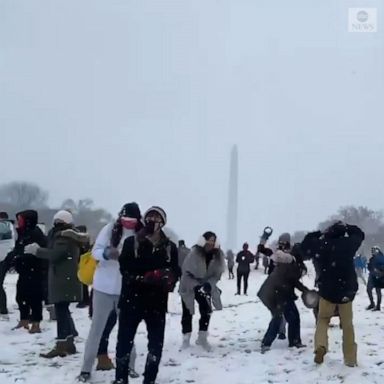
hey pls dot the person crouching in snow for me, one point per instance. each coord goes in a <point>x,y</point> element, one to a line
<point>278,293</point>
<point>202,270</point>
<point>150,269</point>
<point>107,288</point>
<point>63,253</point>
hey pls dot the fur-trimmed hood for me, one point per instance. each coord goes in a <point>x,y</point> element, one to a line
<point>79,237</point>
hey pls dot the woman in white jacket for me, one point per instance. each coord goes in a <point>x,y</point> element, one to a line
<point>107,281</point>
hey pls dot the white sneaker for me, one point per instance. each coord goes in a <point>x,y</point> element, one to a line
<point>186,341</point>
<point>203,342</point>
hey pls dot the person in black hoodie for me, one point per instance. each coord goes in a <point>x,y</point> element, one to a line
<point>32,271</point>
<point>334,251</point>
<point>149,268</point>
<point>243,259</point>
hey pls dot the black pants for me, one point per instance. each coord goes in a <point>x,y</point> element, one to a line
<point>292,316</point>
<point>3,296</point>
<point>205,313</point>
<point>370,287</point>
<point>242,275</point>
<point>230,272</point>
<point>103,346</point>
<point>65,324</point>
<point>129,320</point>
<point>29,297</point>
<point>257,262</point>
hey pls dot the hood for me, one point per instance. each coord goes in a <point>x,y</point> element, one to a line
<point>79,237</point>
<point>31,218</point>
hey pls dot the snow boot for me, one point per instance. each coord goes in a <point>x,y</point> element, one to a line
<point>186,340</point>
<point>377,308</point>
<point>35,328</point>
<point>282,336</point>
<point>133,374</point>
<point>265,348</point>
<point>22,324</point>
<point>203,342</point>
<point>370,307</point>
<point>104,363</point>
<point>70,346</point>
<point>297,345</point>
<point>319,355</point>
<point>60,350</point>
<point>84,377</point>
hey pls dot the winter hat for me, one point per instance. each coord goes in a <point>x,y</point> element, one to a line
<point>131,210</point>
<point>159,210</point>
<point>284,238</point>
<point>64,216</point>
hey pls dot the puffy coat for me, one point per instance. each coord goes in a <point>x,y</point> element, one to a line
<point>63,253</point>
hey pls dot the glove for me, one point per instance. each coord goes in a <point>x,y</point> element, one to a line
<point>111,253</point>
<point>161,277</point>
<point>206,288</point>
<point>31,249</point>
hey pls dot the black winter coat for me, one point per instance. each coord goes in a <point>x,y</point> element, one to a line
<point>149,273</point>
<point>244,259</point>
<point>334,260</point>
<point>29,267</point>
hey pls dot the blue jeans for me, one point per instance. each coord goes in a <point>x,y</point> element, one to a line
<point>292,317</point>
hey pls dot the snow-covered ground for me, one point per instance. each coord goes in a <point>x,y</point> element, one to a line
<point>235,334</point>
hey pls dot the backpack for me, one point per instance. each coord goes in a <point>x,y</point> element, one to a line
<point>87,268</point>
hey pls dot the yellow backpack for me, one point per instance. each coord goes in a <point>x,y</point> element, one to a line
<point>87,268</point>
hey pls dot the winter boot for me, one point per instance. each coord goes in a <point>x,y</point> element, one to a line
<point>265,348</point>
<point>319,355</point>
<point>186,340</point>
<point>370,307</point>
<point>35,328</point>
<point>133,374</point>
<point>84,377</point>
<point>60,350</point>
<point>297,345</point>
<point>377,308</point>
<point>104,363</point>
<point>282,336</point>
<point>203,342</point>
<point>70,346</point>
<point>22,324</point>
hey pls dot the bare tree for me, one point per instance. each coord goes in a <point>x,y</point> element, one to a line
<point>23,195</point>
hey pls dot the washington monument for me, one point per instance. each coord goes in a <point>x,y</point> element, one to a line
<point>232,200</point>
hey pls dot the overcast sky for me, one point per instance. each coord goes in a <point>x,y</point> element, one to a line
<point>142,100</point>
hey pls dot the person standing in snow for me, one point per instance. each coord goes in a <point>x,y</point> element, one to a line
<point>63,253</point>
<point>183,252</point>
<point>30,285</point>
<point>150,269</point>
<point>334,251</point>
<point>360,266</point>
<point>230,264</point>
<point>201,272</point>
<point>107,288</point>
<point>277,293</point>
<point>375,278</point>
<point>7,244</point>
<point>244,259</point>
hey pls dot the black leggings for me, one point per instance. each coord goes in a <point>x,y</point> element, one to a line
<point>205,313</point>
<point>242,275</point>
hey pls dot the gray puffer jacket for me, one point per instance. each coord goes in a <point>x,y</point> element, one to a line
<point>195,273</point>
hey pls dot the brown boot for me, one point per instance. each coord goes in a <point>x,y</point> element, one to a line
<point>70,346</point>
<point>104,363</point>
<point>60,350</point>
<point>22,324</point>
<point>35,328</point>
<point>319,355</point>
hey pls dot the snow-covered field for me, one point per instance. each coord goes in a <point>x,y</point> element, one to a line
<point>235,334</point>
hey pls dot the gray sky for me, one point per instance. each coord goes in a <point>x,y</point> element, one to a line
<point>142,100</point>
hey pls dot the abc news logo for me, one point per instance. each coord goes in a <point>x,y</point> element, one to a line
<point>362,20</point>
